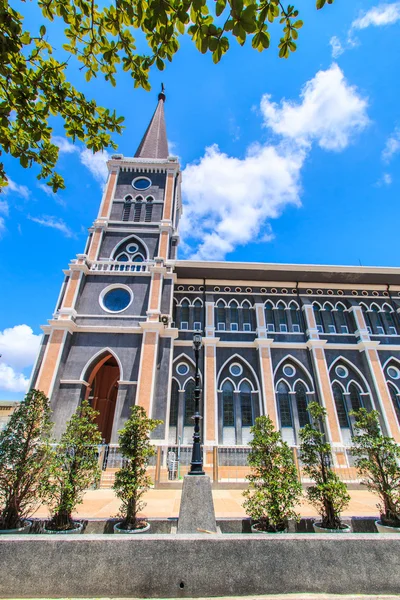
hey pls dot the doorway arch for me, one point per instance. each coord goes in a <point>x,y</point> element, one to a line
<point>102,377</point>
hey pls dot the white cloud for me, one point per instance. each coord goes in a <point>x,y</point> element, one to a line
<point>12,381</point>
<point>96,163</point>
<point>2,226</point>
<point>378,16</point>
<point>330,112</point>
<point>383,14</point>
<point>392,146</point>
<point>54,223</point>
<point>19,346</point>
<point>228,201</point>
<point>15,188</point>
<point>4,207</point>
<point>64,145</point>
<point>386,179</point>
<point>337,48</point>
<point>18,349</point>
<point>49,192</point>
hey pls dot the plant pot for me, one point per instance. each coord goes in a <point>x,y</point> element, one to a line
<point>24,529</point>
<point>386,528</point>
<point>77,529</point>
<point>255,530</point>
<point>118,529</point>
<point>319,529</point>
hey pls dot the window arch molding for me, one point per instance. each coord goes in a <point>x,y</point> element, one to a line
<point>301,381</point>
<point>390,308</point>
<point>91,362</point>
<point>317,305</point>
<point>281,305</point>
<point>128,198</point>
<point>340,384</point>
<point>237,358</point>
<point>246,304</point>
<point>390,360</point>
<point>227,379</point>
<point>295,360</point>
<point>132,238</point>
<point>221,301</point>
<point>352,367</point>
<point>357,385</point>
<point>339,305</point>
<point>246,380</point>
<point>328,306</point>
<point>184,299</point>
<point>182,357</point>
<point>173,378</point>
<point>284,381</point>
<point>293,305</point>
<point>269,304</point>
<point>233,302</point>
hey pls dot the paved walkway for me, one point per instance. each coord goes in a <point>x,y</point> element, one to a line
<point>228,503</point>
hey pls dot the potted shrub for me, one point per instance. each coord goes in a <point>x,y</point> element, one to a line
<point>24,456</point>
<point>328,494</point>
<point>274,488</point>
<point>132,481</point>
<point>74,467</point>
<point>377,461</point>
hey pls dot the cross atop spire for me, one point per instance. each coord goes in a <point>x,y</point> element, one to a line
<point>154,142</point>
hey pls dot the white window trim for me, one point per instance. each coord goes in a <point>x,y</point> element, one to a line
<point>114,286</point>
<point>185,365</point>
<point>199,325</point>
<point>184,323</point>
<point>142,189</point>
<point>221,327</point>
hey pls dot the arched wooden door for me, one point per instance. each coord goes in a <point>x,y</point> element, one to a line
<point>102,393</point>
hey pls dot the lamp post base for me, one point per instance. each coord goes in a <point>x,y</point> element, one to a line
<point>196,513</point>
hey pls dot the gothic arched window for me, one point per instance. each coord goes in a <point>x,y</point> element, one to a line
<point>228,409</point>
<point>185,314</point>
<point>197,309</point>
<point>301,401</point>
<point>329,320</point>
<point>127,208</point>
<point>234,316</point>
<point>341,321</point>
<point>318,318</point>
<point>376,320</point>
<point>390,328</point>
<point>149,209</point>
<point>246,317</point>
<point>221,316</point>
<point>173,413</point>
<point>395,399</point>
<point>246,405</point>
<point>295,318</point>
<point>189,404</point>
<point>282,318</point>
<point>138,209</point>
<point>269,317</point>
<point>341,408</point>
<point>355,397</point>
<point>285,411</point>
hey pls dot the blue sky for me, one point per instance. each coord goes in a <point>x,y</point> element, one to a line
<point>284,161</point>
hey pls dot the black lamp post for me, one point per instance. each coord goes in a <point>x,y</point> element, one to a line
<point>196,464</point>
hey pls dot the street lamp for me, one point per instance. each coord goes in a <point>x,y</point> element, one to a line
<point>196,464</point>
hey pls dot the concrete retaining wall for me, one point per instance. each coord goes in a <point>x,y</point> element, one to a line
<point>197,565</point>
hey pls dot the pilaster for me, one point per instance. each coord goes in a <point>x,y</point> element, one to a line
<point>51,361</point>
<point>210,391</point>
<point>267,379</point>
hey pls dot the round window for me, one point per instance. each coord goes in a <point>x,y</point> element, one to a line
<point>132,248</point>
<point>141,183</point>
<point>341,371</point>
<point>289,370</point>
<point>182,369</point>
<point>393,372</point>
<point>236,369</point>
<point>116,300</point>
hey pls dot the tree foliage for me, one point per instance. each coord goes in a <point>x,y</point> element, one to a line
<point>378,462</point>
<point>24,456</point>
<point>34,85</point>
<point>328,494</point>
<point>132,481</point>
<point>274,488</point>
<point>73,466</point>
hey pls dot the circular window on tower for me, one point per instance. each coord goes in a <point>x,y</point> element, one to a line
<point>182,368</point>
<point>236,369</point>
<point>393,372</point>
<point>289,371</point>
<point>131,248</point>
<point>341,371</point>
<point>116,298</point>
<point>141,183</point>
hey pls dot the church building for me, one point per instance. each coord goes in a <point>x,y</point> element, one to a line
<point>275,336</point>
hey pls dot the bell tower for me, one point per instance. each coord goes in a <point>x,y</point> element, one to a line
<point>110,339</point>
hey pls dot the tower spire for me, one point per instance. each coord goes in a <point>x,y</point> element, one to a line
<point>154,142</point>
